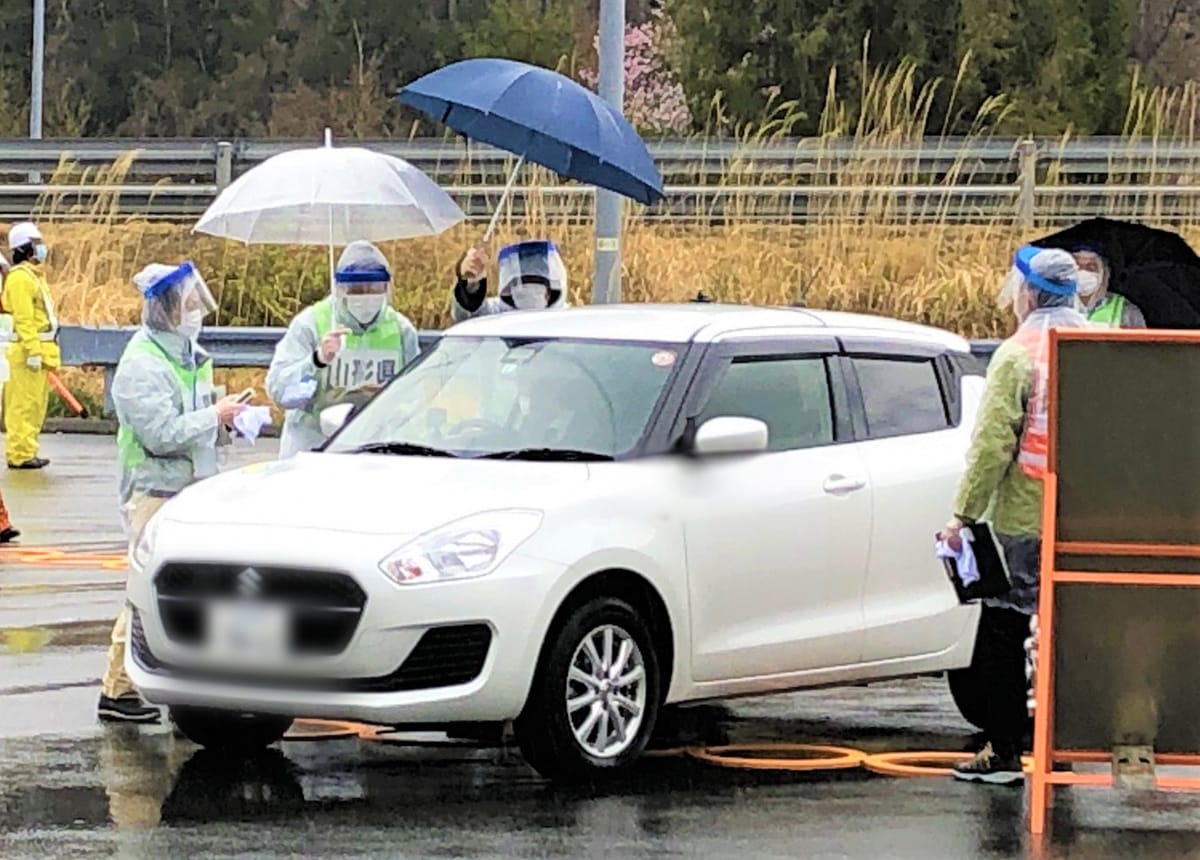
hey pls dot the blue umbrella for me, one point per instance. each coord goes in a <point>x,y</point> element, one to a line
<point>540,116</point>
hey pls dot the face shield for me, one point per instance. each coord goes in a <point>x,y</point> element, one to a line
<point>362,283</point>
<point>176,298</point>
<point>1041,279</point>
<point>532,275</point>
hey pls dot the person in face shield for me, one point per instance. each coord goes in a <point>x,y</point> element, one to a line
<point>532,277</point>
<point>1101,306</point>
<point>342,349</point>
<point>33,350</point>
<point>169,425</point>
<point>1005,466</point>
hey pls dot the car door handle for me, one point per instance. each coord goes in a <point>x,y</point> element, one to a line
<point>840,485</point>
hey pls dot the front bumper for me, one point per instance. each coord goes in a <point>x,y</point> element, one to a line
<point>389,673</point>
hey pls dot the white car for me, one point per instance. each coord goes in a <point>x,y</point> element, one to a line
<point>567,519</point>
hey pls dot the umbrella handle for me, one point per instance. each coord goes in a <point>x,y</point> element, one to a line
<point>512,180</point>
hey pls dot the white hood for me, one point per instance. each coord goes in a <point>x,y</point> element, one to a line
<point>372,494</point>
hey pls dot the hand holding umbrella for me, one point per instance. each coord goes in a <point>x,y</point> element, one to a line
<point>542,117</point>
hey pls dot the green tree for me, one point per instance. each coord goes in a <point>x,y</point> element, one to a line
<point>747,52</point>
<point>542,32</point>
<point>1062,63</point>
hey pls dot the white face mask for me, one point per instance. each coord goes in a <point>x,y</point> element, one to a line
<point>365,308</point>
<point>529,297</point>
<point>1087,283</point>
<point>189,326</point>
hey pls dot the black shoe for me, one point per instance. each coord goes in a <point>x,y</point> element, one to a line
<point>35,463</point>
<point>990,768</point>
<point>127,709</point>
<point>9,535</point>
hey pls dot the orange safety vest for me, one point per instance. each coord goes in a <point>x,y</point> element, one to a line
<point>1034,454</point>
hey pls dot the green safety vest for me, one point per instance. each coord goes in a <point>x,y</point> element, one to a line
<point>1109,312</point>
<point>193,384</point>
<point>368,359</point>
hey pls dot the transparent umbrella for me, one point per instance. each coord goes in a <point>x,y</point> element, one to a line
<point>330,196</point>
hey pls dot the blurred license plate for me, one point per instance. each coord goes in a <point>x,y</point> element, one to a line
<point>247,631</point>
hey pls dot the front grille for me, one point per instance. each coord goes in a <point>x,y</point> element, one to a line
<point>443,657</point>
<point>312,588</point>
<point>324,606</point>
<point>183,621</point>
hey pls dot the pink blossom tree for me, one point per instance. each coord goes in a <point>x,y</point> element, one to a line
<point>654,99</point>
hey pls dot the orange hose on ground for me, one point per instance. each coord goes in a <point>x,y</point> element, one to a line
<point>323,730</point>
<point>394,737</point>
<point>918,764</point>
<point>50,557</point>
<point>826,757</point>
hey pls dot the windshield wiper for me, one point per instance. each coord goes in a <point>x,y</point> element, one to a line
<point>403,448</point>
<point>548,455</point>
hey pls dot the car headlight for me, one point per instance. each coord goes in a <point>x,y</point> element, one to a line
<point>143,550</point>
<point>464,549</point>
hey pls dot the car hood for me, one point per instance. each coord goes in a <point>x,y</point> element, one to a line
<point>372,493</point>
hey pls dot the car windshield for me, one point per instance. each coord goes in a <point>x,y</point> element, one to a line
<point>509,398</point>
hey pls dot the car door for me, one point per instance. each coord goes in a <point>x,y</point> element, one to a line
<point>914,445</point>
<point>776,541</point>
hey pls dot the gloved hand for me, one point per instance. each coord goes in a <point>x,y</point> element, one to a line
<point>951,533</point>
<point>299,395</point>
<point>331,344</point>
<point>34,362</point>
<point>251,421</point>
<point>229,408</point>
<point>473,266</point>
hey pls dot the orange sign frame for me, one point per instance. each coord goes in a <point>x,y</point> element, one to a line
<point>1044,778</point>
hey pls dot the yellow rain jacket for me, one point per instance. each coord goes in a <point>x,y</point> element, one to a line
<point>27,299</point>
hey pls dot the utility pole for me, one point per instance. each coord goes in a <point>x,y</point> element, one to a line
<point>39,67</point>
<point>35,77</point>
<point>606,287</point>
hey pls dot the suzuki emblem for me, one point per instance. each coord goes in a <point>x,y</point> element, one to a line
<point>249,582</point>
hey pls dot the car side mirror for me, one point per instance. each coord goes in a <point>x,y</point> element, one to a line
<point>731,435</point>
<point>334,418</point>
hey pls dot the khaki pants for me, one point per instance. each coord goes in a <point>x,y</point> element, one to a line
<point>137,514</point>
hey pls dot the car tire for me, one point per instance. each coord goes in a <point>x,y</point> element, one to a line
<point>229,731</point>
<point>580,722</point>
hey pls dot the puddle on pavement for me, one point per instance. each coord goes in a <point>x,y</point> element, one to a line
<point>26,640</point>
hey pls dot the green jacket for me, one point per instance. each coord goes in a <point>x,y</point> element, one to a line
<point>993,487</point>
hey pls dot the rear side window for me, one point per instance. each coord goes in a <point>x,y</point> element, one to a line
<point>790,395</point>
<point>901,396</point>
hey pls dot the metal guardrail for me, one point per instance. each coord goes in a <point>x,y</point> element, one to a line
<point>85,346</point>
<point>230,347</point>
<point>710,182</point>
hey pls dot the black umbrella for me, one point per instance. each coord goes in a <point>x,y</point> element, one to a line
<point>1155,269</point>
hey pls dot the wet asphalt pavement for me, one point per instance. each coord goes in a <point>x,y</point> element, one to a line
<point>70,788</point>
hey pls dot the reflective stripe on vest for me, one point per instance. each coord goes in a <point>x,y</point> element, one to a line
<point>1109,312</point>
<point>130,450</point>
<point>368,359</point>
<point>51,334</point>
<point>1033,456</point>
